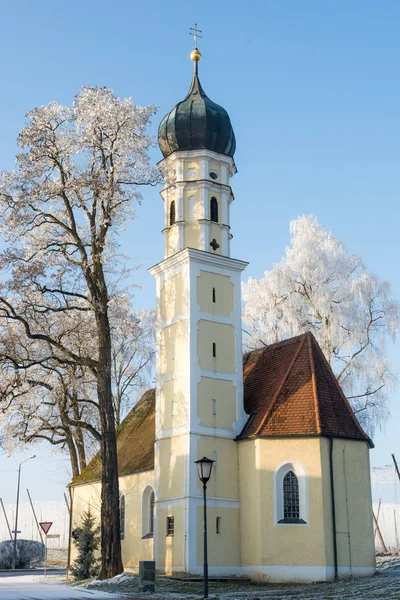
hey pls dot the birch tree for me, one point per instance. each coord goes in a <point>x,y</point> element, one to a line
<point>73,188</point>
<point>317,286</point>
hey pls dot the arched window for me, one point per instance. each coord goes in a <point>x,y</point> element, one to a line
<point>122,516</point>
<point>148,512</point>
<point>151,519</point>
<point>291,501</point>
<point>214,209</point>
<point>291,494</point>
<point>172,213</point>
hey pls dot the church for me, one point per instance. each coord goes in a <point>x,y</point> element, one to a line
<point>289,498</point>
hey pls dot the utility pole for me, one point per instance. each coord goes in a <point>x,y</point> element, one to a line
<point>5,516</point>
<point>16,512</point>
<point>34,514</point>
<point>395,466</point>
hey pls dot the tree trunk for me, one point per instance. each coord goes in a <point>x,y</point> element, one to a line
<point>79,440</point>
<point>111,559</point>
<point>72,454</point>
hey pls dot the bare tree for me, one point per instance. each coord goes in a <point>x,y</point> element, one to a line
<point>76,177</point>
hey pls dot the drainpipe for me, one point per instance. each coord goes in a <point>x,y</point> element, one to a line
<point>335,552</point>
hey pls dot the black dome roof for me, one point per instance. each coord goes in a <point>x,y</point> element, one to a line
<point>196,123</point>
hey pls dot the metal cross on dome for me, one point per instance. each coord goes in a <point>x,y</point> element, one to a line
<point>195,33</point>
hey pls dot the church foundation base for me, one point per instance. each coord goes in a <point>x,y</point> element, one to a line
<point>275,573</point>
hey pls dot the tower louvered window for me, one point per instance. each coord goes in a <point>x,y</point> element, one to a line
<point>214,209</point>
<point>172,213</point>
<point>291,502</point>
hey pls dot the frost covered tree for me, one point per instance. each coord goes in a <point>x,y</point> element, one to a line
<point>133,352</point>
<point>73,188</point>
<point>41,400</point>
<point>317,286</point>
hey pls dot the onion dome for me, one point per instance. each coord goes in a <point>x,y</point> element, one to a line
<point>197,122</point>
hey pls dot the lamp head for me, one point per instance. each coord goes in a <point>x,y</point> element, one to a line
<point>204,468</point>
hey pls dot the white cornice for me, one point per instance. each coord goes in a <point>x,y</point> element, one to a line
<point>193,154</point>
<point>200,257</point>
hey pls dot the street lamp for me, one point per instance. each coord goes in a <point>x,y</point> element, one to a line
<point>204,468</point>
<point>16,512</point>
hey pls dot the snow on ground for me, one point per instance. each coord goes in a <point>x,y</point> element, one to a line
<point>34,587</point>
<point>385,585</point>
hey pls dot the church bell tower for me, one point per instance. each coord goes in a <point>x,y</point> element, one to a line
<point>199,385</point>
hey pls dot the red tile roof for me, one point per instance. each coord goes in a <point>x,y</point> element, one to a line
<point>290,390</point>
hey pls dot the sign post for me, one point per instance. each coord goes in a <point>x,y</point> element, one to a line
<point>45,525</point>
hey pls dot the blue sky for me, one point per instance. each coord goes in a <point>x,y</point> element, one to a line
<point>313,91</point>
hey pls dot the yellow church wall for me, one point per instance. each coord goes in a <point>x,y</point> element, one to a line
<point>299,545</point>
<point>213,166</point>
<point>172,348</point>
<point>224,338</point>
<point>352,486</point>
<point>215,234</point>
<point>170,551</point>
<point>224,293</point>
<point>172,297</point>
<point>224,480</point>
<point>191,211</point>
<point>193,166</point>
<point>172,403</point>
<point>192,235</point>
<point>172,235</point>
<point>171,456</point>
<point>225,394</point>
<point>134,548</point>
<point>250,510</point>
<point>224,547</point>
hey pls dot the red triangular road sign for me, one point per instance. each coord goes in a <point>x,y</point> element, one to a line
<point>46,526</point>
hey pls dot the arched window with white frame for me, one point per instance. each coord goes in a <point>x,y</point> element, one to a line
<point>291,494</point>
<point>148,512</point>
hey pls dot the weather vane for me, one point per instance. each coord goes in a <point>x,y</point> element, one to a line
<point>195,33</point>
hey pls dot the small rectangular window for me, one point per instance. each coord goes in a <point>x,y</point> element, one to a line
<point>172,408</point>
<point>218,525</point>
<point>173,351</point>
<point>214,349</point>
<point>170,526</point>
<point>214,407</point>
<point>214,298</point>
<point>214,459</point>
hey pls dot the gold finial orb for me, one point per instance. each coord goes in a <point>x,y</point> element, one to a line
<point>195,55</point>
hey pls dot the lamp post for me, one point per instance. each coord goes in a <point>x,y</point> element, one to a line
<point>16,512</point>
<point>204,468</point>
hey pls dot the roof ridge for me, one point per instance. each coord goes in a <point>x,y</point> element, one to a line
<point>314,381</point>
<point>285,378</point>
<point>286,342</point>
<point>341,393</point>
